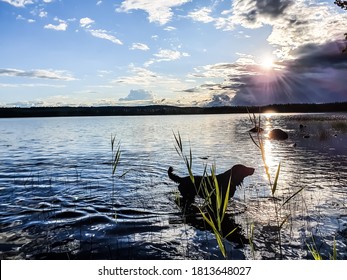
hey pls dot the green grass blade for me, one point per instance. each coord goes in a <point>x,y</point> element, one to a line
<point>217,234</point>
<point>314,252</point>
<point>334,256</point>
<point>283,222</point>
<point>226,200</point>
<point>116,159</point>
<point>113,139</point>
<point>217,189</point>
<point>231,232</point>
<point>220,244</point>
<point>274,186</point>
<point>208,220</point>
<point>289,198</point>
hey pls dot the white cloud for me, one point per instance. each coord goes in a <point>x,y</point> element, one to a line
<point>98,3</point>
<point>166,55</point>
<point>30,85</point>
<point>144,77</point>
<point>293,23</point>
<point>38,73</point>
<point>202,15</point>
<point>43,14</point>
<point>305,23</point>
<point>170,28</point>
<point>62,26</point>
<point>138,95</point>
<point>158,11</point>
<point>86,22</point>
<point>18,3</point>
<point>139,46</point>
<point>103,34</point>
<point>20,17</point>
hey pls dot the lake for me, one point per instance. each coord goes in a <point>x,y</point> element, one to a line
<point>59,199</point>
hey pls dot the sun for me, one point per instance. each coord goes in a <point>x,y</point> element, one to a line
<point>267,63</point>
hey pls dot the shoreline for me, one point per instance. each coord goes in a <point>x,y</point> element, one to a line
<point>66,111</point>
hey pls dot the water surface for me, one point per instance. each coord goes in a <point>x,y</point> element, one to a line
<point>59,199</point>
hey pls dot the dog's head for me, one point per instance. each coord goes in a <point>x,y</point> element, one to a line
<point>240,172</point>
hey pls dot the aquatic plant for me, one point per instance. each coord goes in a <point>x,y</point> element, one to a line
<point>273,185</point>
<point>115,160</point>
<point>340,126</point>
<point>315,252</point>
<point>213,212</point>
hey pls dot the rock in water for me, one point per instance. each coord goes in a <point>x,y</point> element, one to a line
<point>256,129</point>
<point>278,134</point>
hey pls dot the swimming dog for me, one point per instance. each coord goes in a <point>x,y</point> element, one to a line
<point>204,186</point>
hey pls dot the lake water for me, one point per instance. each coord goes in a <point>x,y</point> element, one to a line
<point>59,199</point>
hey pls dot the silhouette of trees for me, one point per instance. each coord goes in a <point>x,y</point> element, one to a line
<point>342,5</point>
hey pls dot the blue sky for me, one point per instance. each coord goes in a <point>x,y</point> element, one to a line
<point>177,52</point>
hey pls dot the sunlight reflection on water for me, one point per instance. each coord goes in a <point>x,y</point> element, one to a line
<point>56,186</point>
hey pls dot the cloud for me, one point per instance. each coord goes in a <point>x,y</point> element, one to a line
<point>158,11</point>
<point>86,22</point>
<point>143,77</point>
<point>18,3</point>
<point>62,26</point>
<point>315,75</point>
<point>166,55</point>
<point>43,14</point>
<point>139,46</point>
<point>38,73</point>
<point>103,34</point>
<point>307,41</point>
<point>140,76</point>
<point>137,95</point>
<point>248,13</point>
<point>170,28</point>
<point>202,15</point>
<point>2,85</point>
<point>293,23</point>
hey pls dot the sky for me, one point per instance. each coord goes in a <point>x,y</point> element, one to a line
<point>174,52</point>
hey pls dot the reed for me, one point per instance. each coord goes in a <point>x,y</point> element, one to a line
<point>340,126</point>
<point>115,162</point>
<point>258,140</point>
<point>215,204</point>
<point>316,254</point>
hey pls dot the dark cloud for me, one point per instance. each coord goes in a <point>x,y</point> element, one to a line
<point>222,99</point>
<point>42,74</point>
<point>272,8</point>
<point>312,56</point>
<point>139,94</point>
<point>254,11</point>
<point>316,75</point>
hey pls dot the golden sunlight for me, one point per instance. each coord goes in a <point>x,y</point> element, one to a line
<point>267,63</point>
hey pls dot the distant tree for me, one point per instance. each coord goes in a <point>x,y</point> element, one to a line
<point>341,4</point>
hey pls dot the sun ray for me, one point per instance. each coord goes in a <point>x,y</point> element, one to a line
<point>267,63</point>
